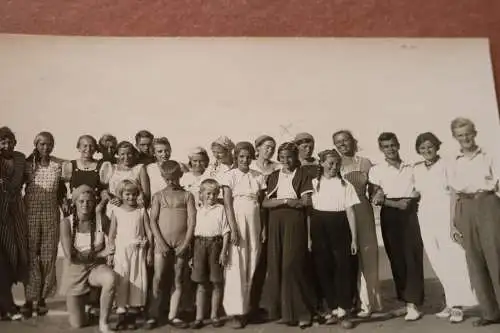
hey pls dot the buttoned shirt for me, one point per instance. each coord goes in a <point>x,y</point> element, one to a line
<point>395,182</point>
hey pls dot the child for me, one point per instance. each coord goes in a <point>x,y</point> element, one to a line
<point>210,251</point>
<point>198,163</point>
<point>129,235</point>
<point>245,189</point>
<point>333,236</point>
<point>173,215</point>
<point>162,151</point>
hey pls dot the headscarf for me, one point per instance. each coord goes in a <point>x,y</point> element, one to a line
<point>197,151</point>
<point>263,138</point>
<point>224,142</point>
<point>301,137</point>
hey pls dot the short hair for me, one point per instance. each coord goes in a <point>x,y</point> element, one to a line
<point>162,141</point>
<point>427,136</point>
<point>46,135</point>
<point>128,145</point>
<point>171,167</point>
<point>289,146</point>
<point>143,134</point>
<point>203,153</point>
<point>387,136</point>
<point>329,152</point>
<point>6,133</point>
<point>349,134</point>
<point>127,184</point>
<point>89,137</point>
<point>106,137</point>
<point>462,122</point>
<point>263,138</point>
<point>210,182</point>
<point>243,145</point>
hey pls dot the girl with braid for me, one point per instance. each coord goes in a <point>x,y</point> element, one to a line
<point>85,251</point>
<point>333,236</point>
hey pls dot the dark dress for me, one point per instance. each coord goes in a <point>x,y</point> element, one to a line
<point>86,177</point>
<point>288,287</point>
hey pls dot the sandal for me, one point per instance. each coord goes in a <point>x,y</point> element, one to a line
<point>456,316</point>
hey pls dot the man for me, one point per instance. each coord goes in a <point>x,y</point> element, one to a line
<point>144,143</point>
<point>107,147</point>
<point>393,188</point>
<point>476,223</point>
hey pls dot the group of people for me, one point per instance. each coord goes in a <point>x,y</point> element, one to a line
<point>296,237</point>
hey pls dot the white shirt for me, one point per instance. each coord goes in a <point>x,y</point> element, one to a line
<point>211,221</point>
<point>192,183</point>
<point>244,184</point>
<point>432,181</point>
<point>156,181</point>
<point>476,173</point>
<point>396,183</point>
<point>82,239</point>
<point>285,188</point>
<point>332,195</point>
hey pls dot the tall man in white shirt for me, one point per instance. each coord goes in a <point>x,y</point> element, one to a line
<point>476,223</point>
<point>393,189</point>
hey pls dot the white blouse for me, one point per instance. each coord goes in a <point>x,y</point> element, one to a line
<point>82,239</point>
<point>156,181</point>
<point>285,188</point>
<point>332,195</point>
<point>242,184</point>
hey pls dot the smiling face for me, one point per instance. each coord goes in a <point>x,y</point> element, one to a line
<point>162,152</point>
<point>44,146</point>
<point>390,149</point>
<point>344,144</point>
<point>85,204</point>
<point>244,159</point>
<point>266,149</point>
<point>87,148</point>
<point>221,154</point>
<point>198,163</point>
<point>331,166</point>
<point>129,196</point>
<point>428,150</point>
<point>466,137</point>
<point>125,156</point>
<point>209,195</point>
<point>288,160</point>
<point>7,146</point>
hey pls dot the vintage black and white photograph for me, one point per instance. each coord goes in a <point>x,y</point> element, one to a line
<point>260,184</point>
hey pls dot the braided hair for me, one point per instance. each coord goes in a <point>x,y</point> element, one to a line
<point>323,155</point>
<point>74,228</point>
<point>35,156</point>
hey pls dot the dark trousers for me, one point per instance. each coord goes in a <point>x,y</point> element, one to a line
<point>478,219</point>
<point>404,247</point>
<point>331,248</point>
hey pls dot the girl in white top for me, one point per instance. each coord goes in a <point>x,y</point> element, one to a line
<point>247,192</point>
<point>265,147</point>
<point>162,152</point>
<point>198,163</point>
<point>333,236</point>
<point>434,214</point>
<point>130,235</point>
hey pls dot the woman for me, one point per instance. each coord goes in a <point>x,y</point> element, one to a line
<point>13,224</point>
<point>305,144</point>
<point>446,257</point>
<point>43,197</point>
<point>126,168</point>
<point>107,147</point>
<point>355,170</point>
<point>288,285</point>
<point>85,252</point>
<point>222,149</point>
<point>265,147</point>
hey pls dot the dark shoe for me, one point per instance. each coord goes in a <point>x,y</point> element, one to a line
<point>121,323</point>
<point>151,323</point>
<point>131,322</point>
<point>216,322</point>
<point>15,314</point>
<point>27,310</point>
<point>238,323</point>
<point>485,322</point>
<point>178,323</point>
<point>305,324</point>
<point>197,324</point>
<point>41,308</point>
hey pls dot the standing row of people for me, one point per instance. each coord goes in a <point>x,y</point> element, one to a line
<point>301,231</point>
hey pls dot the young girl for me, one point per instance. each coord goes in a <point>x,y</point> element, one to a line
<point>211,244</point>
<point>130,235</point>
<point>173,215</point>
<point>265,147</point>
<point>198,163</point>
<point>288,284</point>
<point>333,236</point>
<point>247,191</point>
<point>162,151</point>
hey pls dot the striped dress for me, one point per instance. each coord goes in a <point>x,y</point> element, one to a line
<point>13,224</point>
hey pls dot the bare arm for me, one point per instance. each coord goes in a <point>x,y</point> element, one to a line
<point>273,203</point>
<point>153,222</point>
<point>65,230</point>
<point>351,217</point>
<point>112,231</point>
<point>145,186</point>
<point>228,206</point>
<point>191,219</point>
<point>147,229</point>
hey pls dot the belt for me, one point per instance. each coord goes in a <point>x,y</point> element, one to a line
<point>208,238</point>
<point>475,195</point>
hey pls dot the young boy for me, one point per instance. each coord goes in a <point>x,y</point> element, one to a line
<point>476,224</point>
<point>393,188</point>
<point>144,144</point>
<point>173,215</point>
<point>211,244</point>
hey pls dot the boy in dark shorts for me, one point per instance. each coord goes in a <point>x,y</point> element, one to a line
<point>211,242</point>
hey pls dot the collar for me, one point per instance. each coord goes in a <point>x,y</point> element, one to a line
<point>476,152</point>
<point>208,208</point>
<point>401,166</point>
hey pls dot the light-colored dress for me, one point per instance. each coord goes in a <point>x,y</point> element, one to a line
<point>43,227</point>
<point>355,171</point>
<point>156,180</point>
<point>192,183</point>
<point>446,257</point>
<point>243,258</point>
<point>130,257</point>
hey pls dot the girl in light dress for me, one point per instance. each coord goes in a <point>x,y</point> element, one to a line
<point>246,193</point>
<point>162,152</point>
<point>131,238</point>
<point>434,215</point>
<point>198,163</point>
